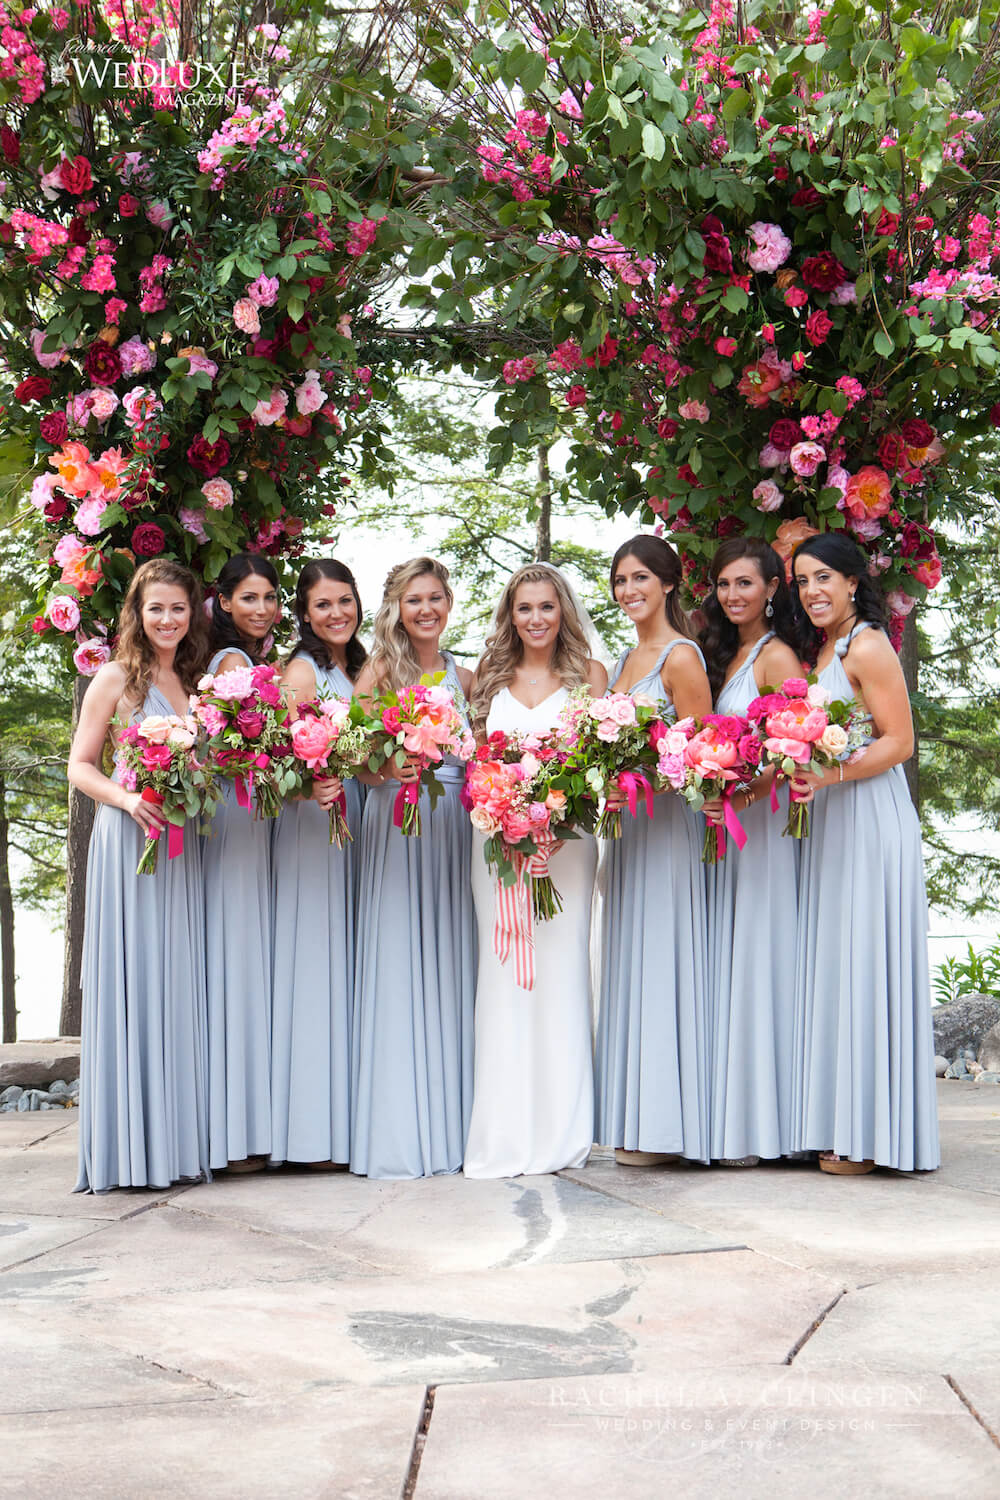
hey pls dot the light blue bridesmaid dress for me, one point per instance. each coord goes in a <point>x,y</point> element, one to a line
<point>864,1054</point>
<point>315,909</point>
<point>415,984</point>
<point>143,1063</point>
<point>652,1061</point>
<point>752,910</point>
<point>236,860</point>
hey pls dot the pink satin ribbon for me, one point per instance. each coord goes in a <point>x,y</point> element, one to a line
<point>630,782</point>
<point>514,929</point>
<point>175,840</point>
<point>736,830</point>
<point>244,786</point>
<point>409,792</point>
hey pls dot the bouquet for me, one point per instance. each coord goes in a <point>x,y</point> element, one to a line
<point>706,758</point>
<point>329,738</point>
<point>422,720</point>
<point>511,800</point>
<point>156,758</point>
<point>801,727</point>
<point>614,749</point>
<point>246,721</point>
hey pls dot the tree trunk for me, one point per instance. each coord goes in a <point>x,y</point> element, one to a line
<point>8,978</point>
<point>79,824</point>
<point>909,660</point>
<point>543,528</point>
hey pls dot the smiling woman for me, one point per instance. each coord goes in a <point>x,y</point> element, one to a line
<point>143,1120</point>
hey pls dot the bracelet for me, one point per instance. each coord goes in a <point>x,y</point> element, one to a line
<point>749,798</point>
<point>841,770</point>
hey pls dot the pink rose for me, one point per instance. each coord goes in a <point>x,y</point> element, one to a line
<point>805,458</point>
<point>767,495</point>
<point>218,493</point>
<point>391,720</point>
<point>311,741</point>
<point>154,729</point>
<point>213,718</point>
<point>795,687</point>
<point>250,723</point>
<point>64,612</point>
<point>157,757</point>
<point>246,317</point>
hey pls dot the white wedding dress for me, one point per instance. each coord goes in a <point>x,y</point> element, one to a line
<point>533,1096</point>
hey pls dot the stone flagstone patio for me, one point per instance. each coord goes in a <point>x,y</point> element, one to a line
<point>609,1332</point>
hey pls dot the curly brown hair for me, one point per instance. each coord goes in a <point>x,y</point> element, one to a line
<point>135,651</point>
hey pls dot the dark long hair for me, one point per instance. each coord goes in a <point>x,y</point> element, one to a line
<point>720,638</point>
<point>660,558</point>
<point>844,556</point>
<point>308,641</point>
<point>222,629</point>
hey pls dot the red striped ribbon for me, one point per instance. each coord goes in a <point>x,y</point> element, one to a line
<point>513,930</point>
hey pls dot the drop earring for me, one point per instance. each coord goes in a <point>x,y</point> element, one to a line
<point>769,609</point>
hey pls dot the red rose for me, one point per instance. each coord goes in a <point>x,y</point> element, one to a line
<point>56,508</point>
<point>917,433</point>
<point>79,233</point>
<point>818,325</point>
<point>666,429</point>
<point>249,723</point>
<point>994,414</point>
<point>39,623</point>
<point>887,224</point>
<point>34,388</point>
<point>823,271</point>
<point>718,256</point>
<point>683,521</point>
<point>891,451</point>
<point>10,145</point>
<point>128,206</point>
<point>806,197</point>
<point>729,526</point>
<point>75,175</point>
<point>208,458</point>
<point>103,365</point>
<point>687,476</point>
<point>54,428</point>
<point>148,539</point>
<point>785,434</point>
<point>576,395</point>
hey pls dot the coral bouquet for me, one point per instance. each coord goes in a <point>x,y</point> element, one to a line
<point>706,758</point>
<point>422,721</point>
<point>801,727</point>
<point>329,738</point>
<point>156,757</point>
<point>246,721</point>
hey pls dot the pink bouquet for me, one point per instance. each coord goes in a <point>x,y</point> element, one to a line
<point>423,721</point>
<point>801,727</point>
<point>329,738</point>
<point>615,748</point>
<point>246,721</point>
<point>156,758</point>
<point>706,758</point>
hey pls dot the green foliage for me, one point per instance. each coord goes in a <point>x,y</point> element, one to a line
<point>976,974</point>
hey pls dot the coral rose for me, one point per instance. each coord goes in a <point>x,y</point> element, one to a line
<point>868,494</point>
<point>792,534</point>
<point>757,383</point>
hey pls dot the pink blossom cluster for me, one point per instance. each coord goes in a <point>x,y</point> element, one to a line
<point>516,370</point>
<point>361,235</point>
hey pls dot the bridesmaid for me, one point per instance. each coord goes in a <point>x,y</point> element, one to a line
<point>143,1120</point>
<point>533,1099</point>
<point>864,1058</point>
<point>750,640</point>
<point>315,899</point>
<point>652,1060</point>
<point>237,869</point>
<point>416,967</point>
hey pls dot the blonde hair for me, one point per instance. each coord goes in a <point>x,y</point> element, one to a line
<point>504,649</point>
<point>393,661</point>
<point>135,651</point>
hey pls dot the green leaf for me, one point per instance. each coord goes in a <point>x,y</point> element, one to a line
<point>531,72</point>
<point>883,343</point>
<point>653,142</point>
<point>737,103</point>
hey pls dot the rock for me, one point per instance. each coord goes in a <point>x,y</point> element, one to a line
<point>974,1067</point>
<point>964,1023</point>
<point>940,1066</point>
<point>957,1069</point>
<point>969,1053</point>
<point>988,1078</point>
<point>10,1095</point>
<point>59,1087</point>
<point>989,1050</point>
<point>34,1065</point>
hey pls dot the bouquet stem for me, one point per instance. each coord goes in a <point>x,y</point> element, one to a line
<point>150,855</point>
<point>797,826</point>
<point>710,851</point>
<point>545,899</point>
<point>340,834</point>
<point>266,799</point>
<point>609,824</point>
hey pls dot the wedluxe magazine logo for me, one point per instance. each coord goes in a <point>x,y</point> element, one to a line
<point>111,68</point>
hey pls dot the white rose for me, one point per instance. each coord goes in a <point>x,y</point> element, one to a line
<point>817,696</point>
<point>484,821</point>
<point>834,740</point>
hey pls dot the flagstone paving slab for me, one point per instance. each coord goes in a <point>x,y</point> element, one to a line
<point>322,1446</point>
<point>20,1130</point>
<point>23,1237</point>
<point>922,1322</point>
<point>443,1225</point>
<point>527,1322</point>
<point>979,1385</point>
<point>163,1248</point>
<point>39,1179</point>
<point>762,1433</point>
<point>54,1369</point>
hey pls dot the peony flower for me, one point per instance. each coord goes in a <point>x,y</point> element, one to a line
<point>63,612</point>
<point>246,317</point>
<point>757,383</point>
<point>218,493</point>
<point>48,360</point>
<point>805,458</point>
<point>233,686</point>
<point>792,534</point>
<point>88,516</point>
<point>868,493</point>
<point>79,576</point>
<point>136,357</point>
<point>823,271</point>
<point>264,291</point>
<point>208,458</point>
<point>900,602</point>
<point>771,247</point>
<point>102,364</point>
<point>767,496</point>
<point>91,655</point>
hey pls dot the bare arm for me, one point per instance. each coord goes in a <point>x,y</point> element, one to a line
<point>100,705</point>
<point>685,680</point>
<point>299,682</point>
<point>775,664</point>
<point>597,678</point>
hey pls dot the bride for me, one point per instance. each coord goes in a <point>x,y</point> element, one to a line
<point>533,1096</point>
